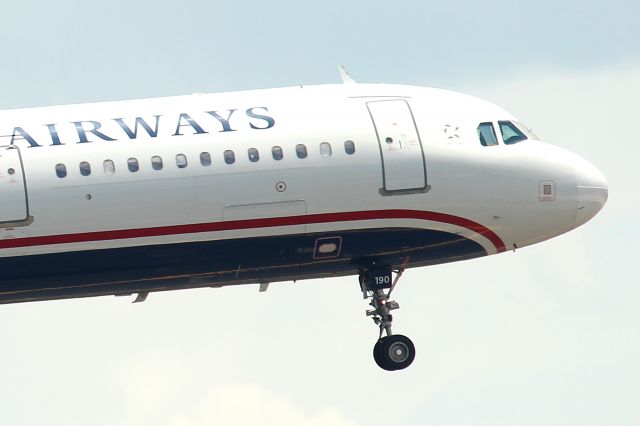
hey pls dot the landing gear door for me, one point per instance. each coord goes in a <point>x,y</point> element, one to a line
<point>13,192</point>
<point>403,163</point>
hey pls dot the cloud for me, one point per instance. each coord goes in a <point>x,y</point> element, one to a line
<point>242,404</point>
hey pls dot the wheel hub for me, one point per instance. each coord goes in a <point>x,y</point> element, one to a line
<point>398,352</point>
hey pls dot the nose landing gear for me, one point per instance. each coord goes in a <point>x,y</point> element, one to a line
<point>392,351</point>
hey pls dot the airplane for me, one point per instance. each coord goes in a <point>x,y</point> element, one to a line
<point>272,185</point>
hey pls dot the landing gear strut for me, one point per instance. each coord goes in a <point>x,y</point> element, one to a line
<point>391,351</point>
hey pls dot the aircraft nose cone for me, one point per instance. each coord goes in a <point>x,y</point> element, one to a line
<point>592,191</point>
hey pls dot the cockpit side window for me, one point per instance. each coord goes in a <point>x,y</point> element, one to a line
<point>487,134</point>
<point>510,133</point>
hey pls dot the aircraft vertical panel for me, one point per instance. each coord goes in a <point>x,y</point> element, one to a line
<point>402,154</point>
<point>13,196</point>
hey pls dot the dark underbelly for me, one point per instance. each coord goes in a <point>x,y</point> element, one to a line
<point>224,262</point>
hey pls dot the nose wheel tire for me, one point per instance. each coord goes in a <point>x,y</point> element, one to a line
<point>394,352</point>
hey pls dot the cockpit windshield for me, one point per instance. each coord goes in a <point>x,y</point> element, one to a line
<point>527,131</point>
<point>510,133</point>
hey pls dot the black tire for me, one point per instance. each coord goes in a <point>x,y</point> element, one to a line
<point>377,353</point>
<point>396,352</point>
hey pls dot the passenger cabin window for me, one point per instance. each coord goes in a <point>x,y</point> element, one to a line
<point>510,133</point>
<point>109,167</point>
<point>253,155</point>
<point>205,159</point>
<point>181,161</point>
<point>325,149</point>
<point>301,151</point>
<point>156,162</point>
<point>276,152</point>
<point>61,170</point>
<point>229,157</point>
<point>487,134</point>
<point>85,168</point>
<point>349,147</point>
<point>133,165</point>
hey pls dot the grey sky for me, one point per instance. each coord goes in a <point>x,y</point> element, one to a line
<point>547,336</point>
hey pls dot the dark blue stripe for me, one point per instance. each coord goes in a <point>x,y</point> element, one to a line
<point>217,263</point>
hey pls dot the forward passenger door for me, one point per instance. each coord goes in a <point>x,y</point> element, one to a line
<point>403,163</point>
<point>13,190</point>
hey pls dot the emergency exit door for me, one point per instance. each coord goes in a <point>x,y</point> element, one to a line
<point>13,194</point>
<point>403,164</point>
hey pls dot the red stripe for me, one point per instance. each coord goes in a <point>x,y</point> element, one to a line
<point>256,223</point>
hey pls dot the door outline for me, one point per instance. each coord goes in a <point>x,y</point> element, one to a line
<point>28,219</point>
<point>384,190</point>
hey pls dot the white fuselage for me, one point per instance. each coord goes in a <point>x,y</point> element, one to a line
<point>377,157</point>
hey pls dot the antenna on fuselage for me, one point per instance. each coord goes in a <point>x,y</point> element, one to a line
<point>344,76</point>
